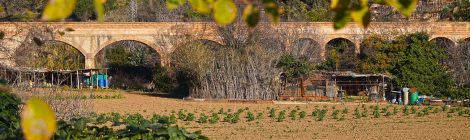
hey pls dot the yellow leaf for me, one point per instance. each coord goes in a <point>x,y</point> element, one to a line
<point>273,10</point>
<point>58,9</point>
<point>38,120</point>
<point>201,6</point>
<point>339,4</point>
<point>99,9</point>
<point>404,6</point>
<point>341,19</point>
<point>361,14</point>
<point>173,4</point>
<point>225,11</point>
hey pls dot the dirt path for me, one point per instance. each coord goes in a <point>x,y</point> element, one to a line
<point>434,126</point>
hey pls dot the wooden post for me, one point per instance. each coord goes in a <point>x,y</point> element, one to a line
<point>71,80</point>
<point>383,88</point>
<point>326,88</point>
<point>97,75</point>
<point>302,90</point>
<point>106,76</point>
<point>52,83</point>
<point>58,79</point>
<point>43,79</point>
<point>78,81</point>
<point>91,78</point>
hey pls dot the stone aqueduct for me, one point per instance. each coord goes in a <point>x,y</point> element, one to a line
<point>90,38</point>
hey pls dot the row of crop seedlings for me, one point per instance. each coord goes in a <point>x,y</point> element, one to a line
<point>318,114</point>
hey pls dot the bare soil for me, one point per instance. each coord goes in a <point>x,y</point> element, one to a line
<point>433,126</point>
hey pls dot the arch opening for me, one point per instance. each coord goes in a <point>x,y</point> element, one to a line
<point>461,63</point>
<point>340,54</point>
<point>444,43</point>
<point>306,48</point>
<point>52,54</point>
<point>131,64</point>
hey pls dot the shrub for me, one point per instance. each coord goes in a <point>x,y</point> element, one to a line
<point>345,111</point>
<point>335,114</point>
<point>322,114</point>
<point>420,114</point>
<point>384,110</point>
<point>214,118</point>
<point>221,111</point>
<point>260,115</point>
<point>293,114</point>
<point>445,108</point>
<point>406,111</point>
<point>136,127</point>
<point>190,117</point>
<point>413,110</point>
<point>365,113</point>
<point>235,118</point>
<point>181,115</point>
<point>376,112</point>
<point>302,114</point>
<point>357,113</point>
<point>461,112</point>
<point>9,116</point>
<point>281,116</point>
<point>228,117</point>
<point>342,117</point>
<point>161,78</point>
<point>272,113</point>
<point>395,110</point>
<point>203,118</point>
<point>250,117</point>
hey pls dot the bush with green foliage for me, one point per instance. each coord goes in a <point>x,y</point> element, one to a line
<point>293,114</point>
<point>137,127</point>
<point>281,116</point>
<point>250,116</point>
<point>357,113</point>
<point>9,116</point>
<point>302,114</point>
<point>161,78</point>
<point>376,112</point>
<point>295,67</point>
<point>335,114</point>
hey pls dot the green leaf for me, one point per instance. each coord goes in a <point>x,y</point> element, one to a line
<point>58,9</point>
<point>173,4</point>
<point>80,124</point>
<point>341,19</point>
<point>201,6</point>
<point>361,14</point>
<point>404,6</point>
<point>273,10</point>
<point>251,15</point>
<point>225,11</point>
<point>2,34</point>
<point>99,9</point>
<point>38,120</point>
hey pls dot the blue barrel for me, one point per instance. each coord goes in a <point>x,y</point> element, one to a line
<point>101,83</point>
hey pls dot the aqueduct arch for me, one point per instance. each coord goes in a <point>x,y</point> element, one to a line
<point>90,38</point>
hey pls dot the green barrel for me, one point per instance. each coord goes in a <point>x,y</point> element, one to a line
<point>413,98</point>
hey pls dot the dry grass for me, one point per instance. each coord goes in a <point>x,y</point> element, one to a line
<point>65,103</point>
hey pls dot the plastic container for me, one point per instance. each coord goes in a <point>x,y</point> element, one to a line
<point>102,83</point>
<point>413,98</point>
